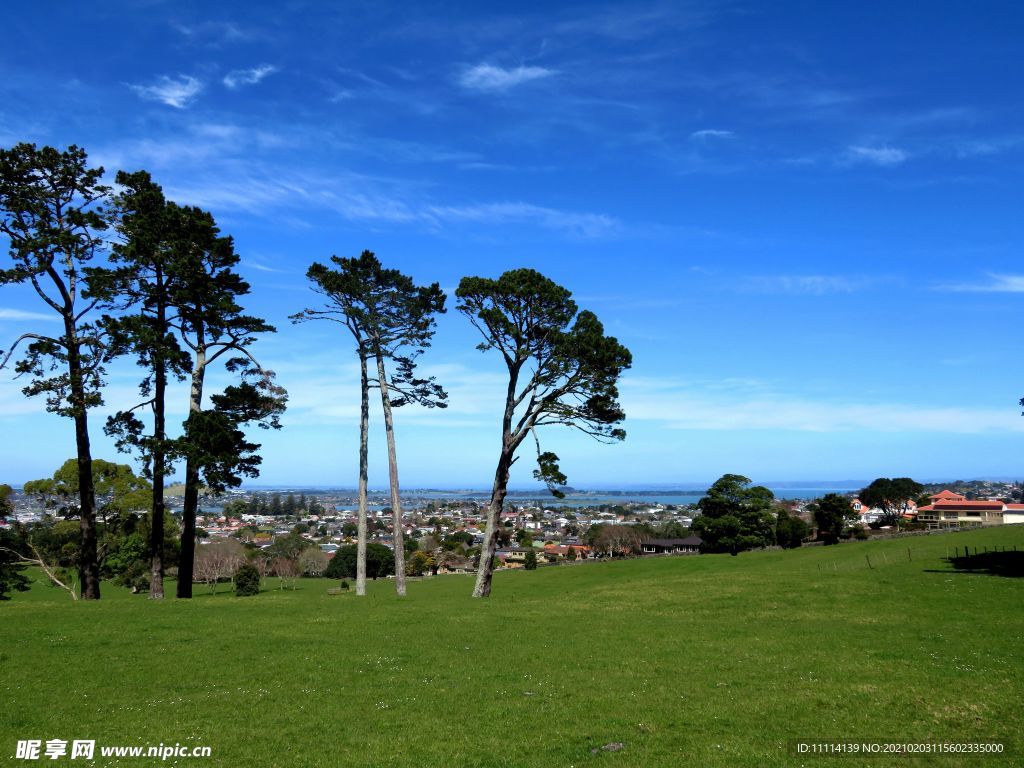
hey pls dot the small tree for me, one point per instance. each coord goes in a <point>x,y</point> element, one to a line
<point>530,561</point>
<point>570,554</point>
<point>562,370</point>
<point>247,580</point>
<point>790,530</point>
<point>893,496</point>
<point>735,516</point>
<point>6,500</point>
<point>832,513</point>
<point>313,562</point>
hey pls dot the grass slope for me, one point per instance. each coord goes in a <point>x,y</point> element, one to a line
<point>704,661</point>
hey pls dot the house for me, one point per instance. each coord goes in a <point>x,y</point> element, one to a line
<point>562,550</point>
<point>514,554</point>
<point>687,546</point>
<point>952,510</point>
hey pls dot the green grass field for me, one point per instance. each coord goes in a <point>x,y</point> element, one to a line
<point>688,661</point>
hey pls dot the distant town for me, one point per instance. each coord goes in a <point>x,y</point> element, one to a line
<point>447,527</point>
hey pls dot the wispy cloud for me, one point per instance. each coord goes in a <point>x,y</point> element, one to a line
<point>814,285</point>
<point>995,283</point>
<point>884,156</point>
<point>697,407</point>
<point>487,77</point>
<point>711,133</point>
<point>585,225</point>
<point>239,77</point>
<point>214,32</point>
<point>174,92</point>
<point>18,314</point>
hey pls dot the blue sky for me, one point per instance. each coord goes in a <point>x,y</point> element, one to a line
<point>802,218</point>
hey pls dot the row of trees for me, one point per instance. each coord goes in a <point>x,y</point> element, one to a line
<point>131,273</point>
<point>128,272</point>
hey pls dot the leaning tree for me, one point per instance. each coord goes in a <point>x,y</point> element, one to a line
<point>213,327</point>
<point>392,321</point>
<point>562,369</point>
<point>53,211</point>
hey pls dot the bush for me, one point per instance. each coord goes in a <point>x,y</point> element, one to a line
<point>344,584</point>
<point>860,533</point>
<point>530,563</point>
<point>247,580</point>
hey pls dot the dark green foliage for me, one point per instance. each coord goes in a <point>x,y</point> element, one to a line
<point>247,580</point>
<point>832,514</point>
<point>735,516</point>
<point>892,496</point>
<point>216,442</point>
<point>380,562</point>
<point>387,314</point>
<point>11,577</point>
<point>6,500</point>
<point>530,562</point>
<point>790,530</point>
<point>457,540</point>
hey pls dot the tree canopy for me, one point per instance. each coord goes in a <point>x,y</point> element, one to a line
<point>893,496</point>
<point>735,516</point>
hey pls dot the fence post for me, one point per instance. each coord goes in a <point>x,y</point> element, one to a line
<point>908,555</point>
<point>869,562</point>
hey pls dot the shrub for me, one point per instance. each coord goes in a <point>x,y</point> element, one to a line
<point>530,563</point>
<point>344,584</point>
<point>247,580</point>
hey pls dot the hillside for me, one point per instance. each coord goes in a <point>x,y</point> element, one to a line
<point>704,661</point>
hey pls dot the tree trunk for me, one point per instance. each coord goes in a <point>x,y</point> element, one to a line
<point>191,500</point>
<point>485,571</point>
<point>88,562</point>
<point>398,537</point>
<point>156,533</point>
<point>364,432</point>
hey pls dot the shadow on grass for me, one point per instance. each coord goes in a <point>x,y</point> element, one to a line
<point>1009,564</point>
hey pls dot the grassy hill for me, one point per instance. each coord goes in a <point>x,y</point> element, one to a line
<point>702,661</point>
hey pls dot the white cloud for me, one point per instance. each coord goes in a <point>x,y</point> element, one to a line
<point>995,284</point>
<point>711,133</point>
<point>239,77</point>
<point>172,92</point>
<point>883,156</point>
<point>18,314</point>
<point>755,408</point>
<point>487,77</point>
